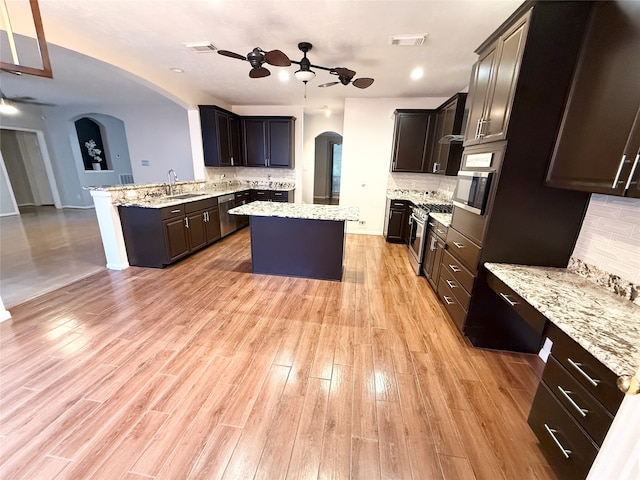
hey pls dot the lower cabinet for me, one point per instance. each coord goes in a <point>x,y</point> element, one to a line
<point>398,212</point>
<point>436,238</point>
<point>157,237</point>
<point>242,198</point>
<point>283,196</point>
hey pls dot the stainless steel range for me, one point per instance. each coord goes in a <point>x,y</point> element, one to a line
<point>418,230</point>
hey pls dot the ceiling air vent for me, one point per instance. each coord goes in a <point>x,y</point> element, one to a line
<point>408,40</point>
<point>201,47</point>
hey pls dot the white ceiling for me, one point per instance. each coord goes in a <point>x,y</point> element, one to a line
<point>138,41</point>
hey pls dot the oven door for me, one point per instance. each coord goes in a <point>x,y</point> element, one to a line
<point>417,237</point>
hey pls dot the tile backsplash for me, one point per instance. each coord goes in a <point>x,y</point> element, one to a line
<point>610,236</point>
<point>423,182</point>
<point>251,174</point>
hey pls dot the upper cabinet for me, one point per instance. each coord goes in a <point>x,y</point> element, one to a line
<point>268,141</point>
<point>597,149</point>
<point>492,86</point>
<point>413,136</point>
<point>220,137</point>
<point>447,148</point>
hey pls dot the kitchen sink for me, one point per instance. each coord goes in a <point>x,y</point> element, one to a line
<point>187,195</point>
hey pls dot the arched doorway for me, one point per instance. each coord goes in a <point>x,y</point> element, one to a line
<point>328,168</point>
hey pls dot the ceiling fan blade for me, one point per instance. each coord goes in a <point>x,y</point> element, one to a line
<point>227,53</point>
<point>362,82</point>
<point>328,84</point>
<point>259,72</point>
<point>344,72</point>
<point>277,58</point>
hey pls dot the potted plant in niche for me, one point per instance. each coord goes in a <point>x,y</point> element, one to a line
<point>94,153</point>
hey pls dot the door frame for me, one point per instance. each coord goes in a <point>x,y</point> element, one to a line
<point>44,153</point>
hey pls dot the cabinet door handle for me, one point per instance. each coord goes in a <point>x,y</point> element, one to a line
<point>175,211</point>
<point>186,222</point>
<point>616,180</point>
<point>552,432</point>
<point>448,300</point>
<point>477,135</point>
<point>577,366</point>
<point>231,161</point>
<point>435,167</point>
<point>204,216</point>
<point>508,300</point>
<point>451,284</point>
<point>454,268</point>
<point>565,394</point>
<point>459,245</point>
<point>633,170</point>
<point>266,162</point>
<point>433,244</point>
<point>483,122</point>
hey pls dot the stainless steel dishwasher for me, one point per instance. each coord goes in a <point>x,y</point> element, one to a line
<point>227,222</point>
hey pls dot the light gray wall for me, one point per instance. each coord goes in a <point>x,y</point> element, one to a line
<point>6,202</point>
<point>16,170</point>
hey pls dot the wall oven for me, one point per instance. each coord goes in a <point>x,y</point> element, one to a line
<point>417,237</point>
<point>472,191</point>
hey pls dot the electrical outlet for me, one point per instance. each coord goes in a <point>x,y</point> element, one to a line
<point>145,163</point>
<point>362,222</point>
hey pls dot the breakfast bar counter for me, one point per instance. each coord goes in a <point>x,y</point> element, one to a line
<point>297,240</point>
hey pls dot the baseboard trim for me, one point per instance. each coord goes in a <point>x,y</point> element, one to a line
<point>79,207</point>
<point>118,266</point>
<point>4,315</point>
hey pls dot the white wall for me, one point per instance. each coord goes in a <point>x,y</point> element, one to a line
<point>610,236</point>
<point>366,155</point>
<point>286,111</point>
<point>314,125</point>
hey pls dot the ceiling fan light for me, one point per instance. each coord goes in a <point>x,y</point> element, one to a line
<point>7,108</point>
<point>304,75</point>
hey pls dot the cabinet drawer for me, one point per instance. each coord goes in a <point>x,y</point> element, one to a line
<point>451,304</point>
<point>455,288</point>
<point>586,410</point>
<point>467,251</point>
<point>597,379</point>
<point>398,204</point>
<point>463,276</point>
<point>190,207</point>
<point>568,447</point>
<point>528,313</point>
<point>439,229</point>
<point>170,212</point>
<point>280,196</point>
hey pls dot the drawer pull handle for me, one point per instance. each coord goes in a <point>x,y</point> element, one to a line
<point>577,366</point>
<point>451,284</point>
<point>441,232</point>
<point>175,211</point>
<point>508,300</point>
<point>454,268</point>
<point>565,394</point>
<point>459,245</point>
<point>552,432</point>
<point>431,224</point>
<point>448,301</point>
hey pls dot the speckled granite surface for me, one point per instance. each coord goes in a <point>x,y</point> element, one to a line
<point>416,196</point>
<point>155,195</point>
<point>611,282</point>
<point>443,218</point>
<point>298,210</point>
<point>603,323</point>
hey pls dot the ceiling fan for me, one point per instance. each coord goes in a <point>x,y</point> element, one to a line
<point>257,57</point>
<point>7,102</point>
<point>345,77</point>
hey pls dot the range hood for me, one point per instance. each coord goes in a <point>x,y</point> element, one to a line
<point>448,139</point>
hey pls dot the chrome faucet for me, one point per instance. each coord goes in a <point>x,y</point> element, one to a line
<point>172,183</point>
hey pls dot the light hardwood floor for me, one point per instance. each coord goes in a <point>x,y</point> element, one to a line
<point>45,248</point>
<point>204,370</point>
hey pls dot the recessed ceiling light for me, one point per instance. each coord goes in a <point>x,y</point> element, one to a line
<point>176,70</point>
<point>417,73</point>
<point>283,76</point>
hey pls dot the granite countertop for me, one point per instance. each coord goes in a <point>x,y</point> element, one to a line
<point>415,196</point>
<point>443,218</point>
<point>605,324</point>
<point>297,210</point>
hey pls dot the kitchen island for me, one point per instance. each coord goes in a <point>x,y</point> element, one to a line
<point>297,240</point>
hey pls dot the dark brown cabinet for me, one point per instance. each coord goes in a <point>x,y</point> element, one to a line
<point>398,212</point>
<point>436,236</point>
<point>157,237</point>
<point>413,137</point>
<point>220,137</point>
<point>272,195</point>
<point>242,198</point>
<point>268,141</point>
<point>447,151</point>
<point>598,147</point>
<point>493,84</point>
<point>574,406</point>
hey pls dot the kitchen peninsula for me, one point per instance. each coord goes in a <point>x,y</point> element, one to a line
<point>297,240</point>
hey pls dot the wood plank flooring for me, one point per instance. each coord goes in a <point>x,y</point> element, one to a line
<point>206,371</point>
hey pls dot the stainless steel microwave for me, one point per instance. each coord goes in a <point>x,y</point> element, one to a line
<point>472,191</point>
